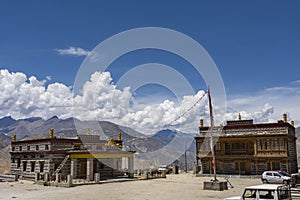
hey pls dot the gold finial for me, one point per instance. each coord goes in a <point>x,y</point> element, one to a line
<point>240,117</point>
<point>119,136</point>
<point>292,123</point>
<point>14,138</point>
<point>51,134</point>
<point>201,123</point>
<point>89,131</point>
<point>111,142</point>
<point>284,118</point>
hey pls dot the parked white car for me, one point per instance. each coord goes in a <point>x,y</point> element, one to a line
<point>263,192</point>
<point>162,168</point>
<point>275,177</point>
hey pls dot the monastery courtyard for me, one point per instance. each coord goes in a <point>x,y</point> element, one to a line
<point>182,186</point>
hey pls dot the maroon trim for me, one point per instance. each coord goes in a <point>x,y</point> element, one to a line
<point>47,140</point>
<point>251,126</point>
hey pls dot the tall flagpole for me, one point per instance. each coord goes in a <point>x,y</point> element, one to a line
<point>211,136</point>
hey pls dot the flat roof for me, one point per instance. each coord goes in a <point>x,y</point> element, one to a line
<point>251,126</point>
<point>47,140</point>
<point>264,187</point>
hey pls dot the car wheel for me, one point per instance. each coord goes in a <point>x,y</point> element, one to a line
<point>264,181</point>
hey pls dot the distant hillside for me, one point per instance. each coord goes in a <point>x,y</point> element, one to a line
<point>34,128</point>
<point>297,132</point>
<point>63,127</point>
<point>164,147</point>
<point>4,153</point>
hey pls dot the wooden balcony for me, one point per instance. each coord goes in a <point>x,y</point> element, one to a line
<point>273,153</point>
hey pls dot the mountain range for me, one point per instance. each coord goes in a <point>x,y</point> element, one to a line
<point>164,147</point>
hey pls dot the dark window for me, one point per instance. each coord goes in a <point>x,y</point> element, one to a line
<point>41,166</point>
<point>37,147</point>
<point>19,162</point>
<point>32,166</point>
<point>275,174</point>
<point>13,160</point>
<point>24,166</point>
<point>13,148</point>
<point>20,148</point>
<point>46,147</point>
<point>28,148</point>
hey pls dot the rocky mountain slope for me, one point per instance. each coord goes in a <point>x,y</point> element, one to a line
<point>297,132</point>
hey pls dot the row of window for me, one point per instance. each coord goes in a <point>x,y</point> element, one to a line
<point>271,144</point>
<point>37,147</point>
<point>262,145</point>
<point>18,161</point>
<point>26,156</point>
<point>32,166</point>
<point>240,167</point>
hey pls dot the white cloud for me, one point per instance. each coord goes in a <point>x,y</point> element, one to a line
<point>282,99</point>
<point>23,97</point>
<point>261,116</point>
<point>75,51</point>
<point>297,81</point>
<point>100,100</point>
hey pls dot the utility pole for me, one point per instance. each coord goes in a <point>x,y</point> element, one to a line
<point>211,134</point>
<point>185,159</point>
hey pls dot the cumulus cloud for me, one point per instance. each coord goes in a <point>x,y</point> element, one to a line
<point>23,97</point>
<point>157,116</point>
<point>262,116</point>
<point>282,99</point>
<point>101,100</point>
<point>75,51</point>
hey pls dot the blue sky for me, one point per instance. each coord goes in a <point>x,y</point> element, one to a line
<point>255,44</point>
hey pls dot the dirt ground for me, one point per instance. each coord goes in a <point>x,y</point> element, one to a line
<point>182,186</point>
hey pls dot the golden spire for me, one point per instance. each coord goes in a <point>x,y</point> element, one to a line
<point>51,134</point>
<point>119,136</point>
<point>239,117</point>
<point>14,138</point>
<point>201,123</point>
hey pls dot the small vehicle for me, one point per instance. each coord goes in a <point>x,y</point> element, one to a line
<point>265,191</point>
<point>162,168</point>
<point>275,177</point>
